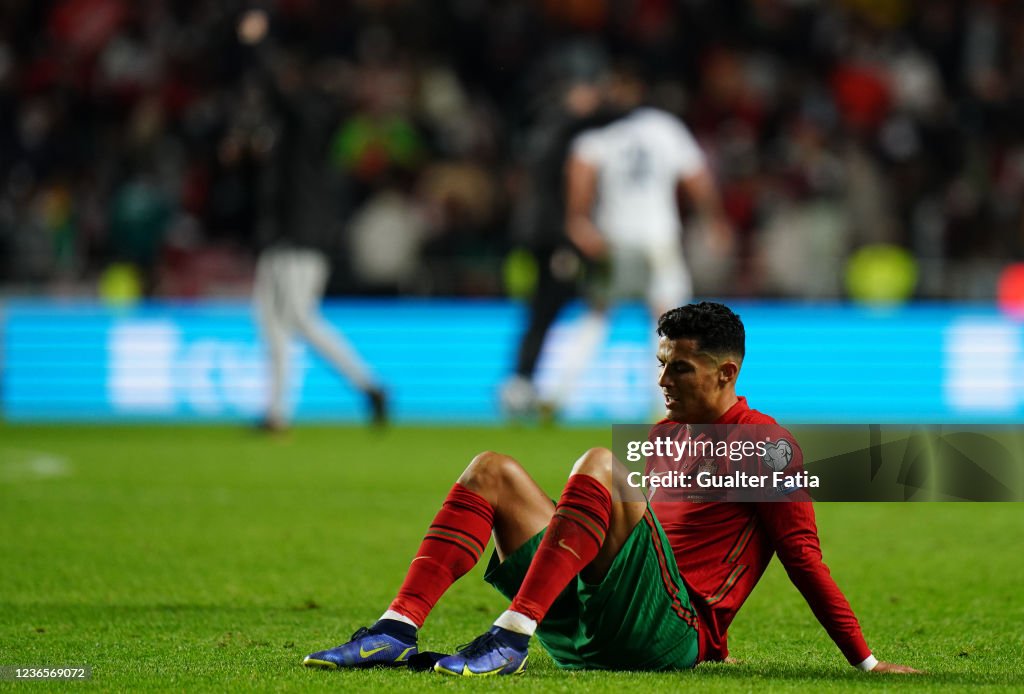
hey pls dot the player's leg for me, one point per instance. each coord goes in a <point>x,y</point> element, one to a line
<point>276,334</point>
<point>558,271</point>
<point>599,510</point>
<point>307,281</point>
<point>669,283</point>
<point>595,516</point>
<point>589,336</point>
<point>493,495</point>
<point>521,508</point>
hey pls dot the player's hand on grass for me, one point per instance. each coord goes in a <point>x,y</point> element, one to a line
<point>895,668</point>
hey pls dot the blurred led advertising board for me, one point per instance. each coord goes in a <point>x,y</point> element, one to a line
<point>444,362</point>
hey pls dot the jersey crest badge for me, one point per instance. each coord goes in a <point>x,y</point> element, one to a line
<point>708,465</point>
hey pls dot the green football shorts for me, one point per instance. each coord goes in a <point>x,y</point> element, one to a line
<point>638,618</point>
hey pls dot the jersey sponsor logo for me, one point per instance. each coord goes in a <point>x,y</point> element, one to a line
<point>778,455</point>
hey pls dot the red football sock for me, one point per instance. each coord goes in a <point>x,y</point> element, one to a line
<point>453,545</point>
<point>573,538</point>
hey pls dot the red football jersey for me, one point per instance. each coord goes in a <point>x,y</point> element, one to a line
<point>723,549</point>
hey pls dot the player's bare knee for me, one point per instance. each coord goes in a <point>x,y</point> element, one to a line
<point>488,472</point>
<point>597,463</point>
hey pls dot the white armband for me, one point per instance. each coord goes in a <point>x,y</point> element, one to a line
<point>868,664</point>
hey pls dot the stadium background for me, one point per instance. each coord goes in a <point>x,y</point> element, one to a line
<point>871,158</point>
<point>867,151</point>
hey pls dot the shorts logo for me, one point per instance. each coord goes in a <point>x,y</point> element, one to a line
<point>778,455</point>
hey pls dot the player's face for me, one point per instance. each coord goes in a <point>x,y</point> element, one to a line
<point>695,384</point>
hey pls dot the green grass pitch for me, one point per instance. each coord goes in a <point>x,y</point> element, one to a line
<point>213,559</point>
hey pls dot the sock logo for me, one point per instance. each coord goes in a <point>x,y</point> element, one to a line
<point>561,543</point>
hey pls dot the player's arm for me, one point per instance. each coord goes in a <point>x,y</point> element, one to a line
<point>581,191</point>
<point>702,192</point>
<point>791,527</point>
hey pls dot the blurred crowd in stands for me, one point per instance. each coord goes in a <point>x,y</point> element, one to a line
<point>144,132</point>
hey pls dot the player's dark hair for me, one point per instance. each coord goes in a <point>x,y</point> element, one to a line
<point>714,326</point>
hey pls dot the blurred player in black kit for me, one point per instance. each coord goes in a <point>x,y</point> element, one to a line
<point>541,227</point>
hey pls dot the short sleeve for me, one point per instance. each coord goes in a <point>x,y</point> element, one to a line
<point>687,157</point>
<point>590,147</point>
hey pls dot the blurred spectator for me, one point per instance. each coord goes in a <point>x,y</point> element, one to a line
<point>384,243</point>
<point>138,218</point>
<point>463,252</point>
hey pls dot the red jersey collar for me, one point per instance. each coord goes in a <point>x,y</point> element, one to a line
<point>733,414</point>
<point>730,416</point>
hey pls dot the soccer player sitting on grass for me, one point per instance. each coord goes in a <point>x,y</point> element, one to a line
<point>613,584</point>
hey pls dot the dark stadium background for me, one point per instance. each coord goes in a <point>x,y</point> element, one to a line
<point>134,131</point>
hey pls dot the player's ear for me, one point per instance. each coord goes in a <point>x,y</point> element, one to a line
<point>728,370</point>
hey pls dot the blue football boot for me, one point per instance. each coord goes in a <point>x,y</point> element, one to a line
<point>488,654</point>
<point>367,648</point>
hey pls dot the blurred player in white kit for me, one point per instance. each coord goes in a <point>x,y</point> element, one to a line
<point>622,212</point>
